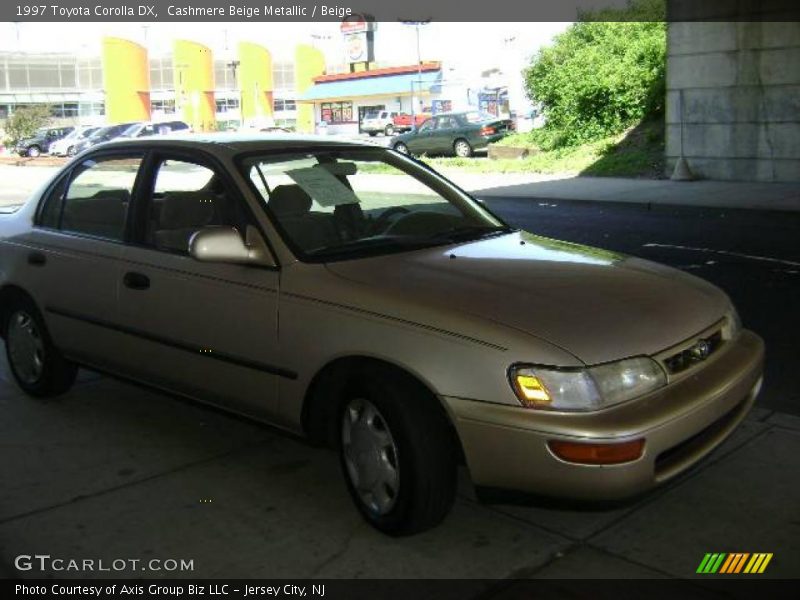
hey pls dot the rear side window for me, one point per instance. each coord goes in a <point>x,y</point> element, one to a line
<point>95,200</point>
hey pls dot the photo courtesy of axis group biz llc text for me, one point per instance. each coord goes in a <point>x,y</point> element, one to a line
<point>377,300</point>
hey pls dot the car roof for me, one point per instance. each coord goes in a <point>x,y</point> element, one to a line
<point>235,143</point>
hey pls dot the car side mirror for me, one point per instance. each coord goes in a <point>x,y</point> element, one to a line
<point>225,245</point>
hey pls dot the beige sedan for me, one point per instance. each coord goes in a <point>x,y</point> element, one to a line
<point>350,294</point>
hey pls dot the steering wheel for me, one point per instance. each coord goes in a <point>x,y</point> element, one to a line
<point>419,223</point>
<point>384,222</point>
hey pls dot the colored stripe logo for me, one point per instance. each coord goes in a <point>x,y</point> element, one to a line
<point>734,563</point>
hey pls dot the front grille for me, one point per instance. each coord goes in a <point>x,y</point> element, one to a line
<point>694,354</point>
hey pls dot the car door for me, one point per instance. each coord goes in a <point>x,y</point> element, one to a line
<point>74,252</point>
<point>205,329</point>
<point>444,135</point>
<point>421,141</point>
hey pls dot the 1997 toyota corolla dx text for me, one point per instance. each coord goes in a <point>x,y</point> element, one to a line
<point>351,294</point>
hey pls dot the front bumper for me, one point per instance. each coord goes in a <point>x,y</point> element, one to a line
<point>506,446</point>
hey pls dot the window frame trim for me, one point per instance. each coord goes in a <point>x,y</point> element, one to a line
<point>66,176</point>
<point>141,202</point>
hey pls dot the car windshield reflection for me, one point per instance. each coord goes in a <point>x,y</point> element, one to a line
<point>352,203</point>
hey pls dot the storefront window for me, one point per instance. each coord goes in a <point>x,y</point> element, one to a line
<point>337,112</point>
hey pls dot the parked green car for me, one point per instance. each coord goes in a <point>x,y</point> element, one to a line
<point>459,133</point>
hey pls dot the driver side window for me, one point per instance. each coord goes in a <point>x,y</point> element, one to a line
<point>426,126</point>
<point>187,197</point>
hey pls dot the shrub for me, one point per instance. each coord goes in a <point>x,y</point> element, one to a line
<point>600,77</point>
<point>24,123</point>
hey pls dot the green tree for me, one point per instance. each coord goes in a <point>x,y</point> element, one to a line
<point>602,75</point>
<point>24,123</point>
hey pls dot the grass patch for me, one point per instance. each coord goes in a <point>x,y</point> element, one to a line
<point>638,152</point>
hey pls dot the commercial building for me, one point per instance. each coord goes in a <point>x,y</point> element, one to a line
<point>123,83</point>
<point>342,100</point>
<point>240,86</point>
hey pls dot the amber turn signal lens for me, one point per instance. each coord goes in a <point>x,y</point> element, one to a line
<point>597,454</point>
<point>532,390</point>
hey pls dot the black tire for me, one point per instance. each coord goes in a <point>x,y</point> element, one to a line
<point>71,151</point>
<point>389,130</point>
<point>34,151</point>
<point>401,148</point>
<point>462,148</point>
<point>372,133</point>
<point>57,374</point>
<point>425,458</point>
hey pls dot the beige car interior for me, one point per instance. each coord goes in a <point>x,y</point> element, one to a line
<point>291,205</point>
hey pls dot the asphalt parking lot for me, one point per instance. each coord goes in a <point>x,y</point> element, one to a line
<point>112,470</point>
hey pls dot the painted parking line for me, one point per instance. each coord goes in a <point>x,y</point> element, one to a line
<point>790,263</point>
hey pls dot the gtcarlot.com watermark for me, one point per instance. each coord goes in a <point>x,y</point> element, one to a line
<point>45,563</point>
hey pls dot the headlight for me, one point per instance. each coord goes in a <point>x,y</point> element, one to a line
<point>587,389</point>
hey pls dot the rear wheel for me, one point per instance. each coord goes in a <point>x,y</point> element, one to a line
<point>462,148</point>
<point>389,130</point>
<point>397,452</point>
<point>372,133</point>
<point>71,151</point>
<point>36,364</point>
<point>34,151</point>
<point>401,148</point>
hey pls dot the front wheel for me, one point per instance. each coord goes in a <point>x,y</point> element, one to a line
<point>397,452</point>
<point>36,364</point>
<point>372,133</point>
<point>34,151</point>
<point>401,148</point>
<point>71,151</point>
<point>462,148</point>
<point>389,130</point>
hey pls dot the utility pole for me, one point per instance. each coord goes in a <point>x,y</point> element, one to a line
<point>233,65</point>
<point>417,25</point>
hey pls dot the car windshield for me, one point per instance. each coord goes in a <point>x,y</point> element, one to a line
<point>478,117</point>
<point>106,133</point>
<point>338,204</point>
<point>75,133</point>
<point>131,131</point>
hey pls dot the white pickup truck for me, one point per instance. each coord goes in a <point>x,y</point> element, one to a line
<point>379,121</point>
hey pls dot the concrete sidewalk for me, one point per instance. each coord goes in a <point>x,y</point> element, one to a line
<point>113,471</point>
<point>715,194</point>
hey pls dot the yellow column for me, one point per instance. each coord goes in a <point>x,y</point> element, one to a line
<point>308,64</point>
<point>255,82</point>
<point>126,78</point>
<point>193,67</point>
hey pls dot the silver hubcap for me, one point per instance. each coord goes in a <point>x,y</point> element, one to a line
<point>402,148</point>
<point>462,149</point>
<point>370,456</point>
<point>25,347</point>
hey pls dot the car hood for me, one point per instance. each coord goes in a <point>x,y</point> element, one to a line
<point>596,304</point>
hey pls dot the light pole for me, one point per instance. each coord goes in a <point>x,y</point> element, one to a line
<point>417,25</point>
<point>234,64</point>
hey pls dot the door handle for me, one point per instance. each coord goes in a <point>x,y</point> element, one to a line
<point>136,281</point>
<point>37,259</point>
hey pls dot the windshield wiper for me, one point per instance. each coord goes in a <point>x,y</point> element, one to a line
<point>471,232</point>
<point>354,246</point>
<point>406,242</point>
